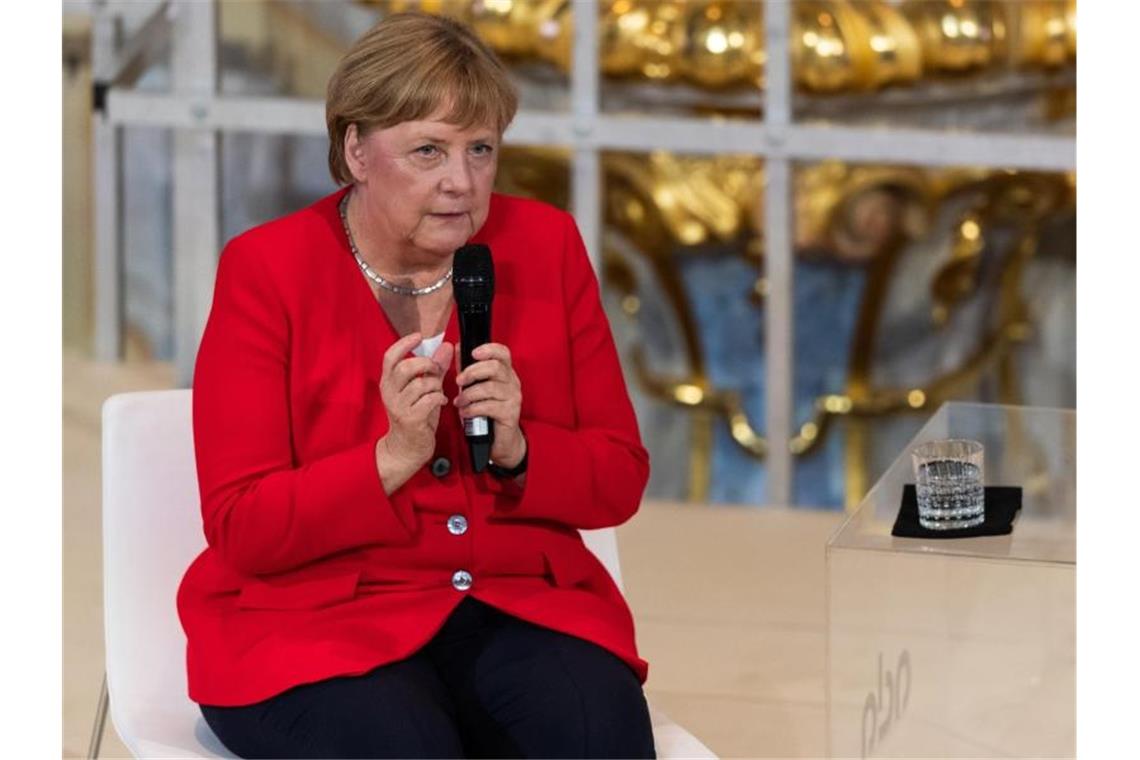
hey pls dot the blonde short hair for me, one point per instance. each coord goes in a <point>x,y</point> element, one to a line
<point>407,67</point>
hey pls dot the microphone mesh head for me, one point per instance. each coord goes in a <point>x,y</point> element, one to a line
<point>474,276</point>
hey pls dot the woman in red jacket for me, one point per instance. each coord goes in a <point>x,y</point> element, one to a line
<point>365,592</point>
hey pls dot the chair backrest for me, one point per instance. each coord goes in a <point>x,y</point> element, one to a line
<point>603,543</point>
<point>152,530</point>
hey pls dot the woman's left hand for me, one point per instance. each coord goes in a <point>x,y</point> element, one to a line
<point>490,388</point>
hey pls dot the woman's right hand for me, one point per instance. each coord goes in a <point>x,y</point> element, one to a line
<point>412,391</point>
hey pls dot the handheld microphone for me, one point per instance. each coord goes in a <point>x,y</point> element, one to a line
<point>473,283</point>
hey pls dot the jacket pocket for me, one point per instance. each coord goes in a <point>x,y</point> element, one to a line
<point>299,595</point>
<point>565,567</point>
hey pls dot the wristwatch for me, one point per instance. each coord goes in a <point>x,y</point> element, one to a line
<point>514,472</point>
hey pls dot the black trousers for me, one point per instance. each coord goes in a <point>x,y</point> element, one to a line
<point>487,685</point>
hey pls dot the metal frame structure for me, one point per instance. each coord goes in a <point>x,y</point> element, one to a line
<point>197,114</point>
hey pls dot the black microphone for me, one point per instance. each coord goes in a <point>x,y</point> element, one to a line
<point>473,283</point>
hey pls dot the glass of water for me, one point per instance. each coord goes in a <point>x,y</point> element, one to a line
<point>949,481</point>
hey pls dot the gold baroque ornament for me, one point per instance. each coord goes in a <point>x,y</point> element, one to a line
<point>1041,32</point>
<point>830,46</point>
<point>717,42</point>
<point>624,25</point>
<point>834,45</point>
<point>456,9</point>
<point>855,210</point>
<point>1023,200</point>
<point>660,55</point>
<point>1071,29</point>
<point>685,196</point>
<point>554,30</point>
<point>666,205</point>
<point>893,43</point>
<point>959,35</point>
<point>504,25</point>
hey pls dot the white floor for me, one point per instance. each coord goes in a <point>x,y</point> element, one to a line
<point>729,602</point>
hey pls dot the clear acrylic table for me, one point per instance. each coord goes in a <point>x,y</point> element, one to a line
<point>960,647</point>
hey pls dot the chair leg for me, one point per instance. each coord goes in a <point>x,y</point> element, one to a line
<point>100,722</point>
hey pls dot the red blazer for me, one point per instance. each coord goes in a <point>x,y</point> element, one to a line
<point>311,571</point>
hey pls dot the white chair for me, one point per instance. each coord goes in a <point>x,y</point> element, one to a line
<point>151,532</point>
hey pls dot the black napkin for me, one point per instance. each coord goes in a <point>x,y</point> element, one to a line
<point>1002,505</point>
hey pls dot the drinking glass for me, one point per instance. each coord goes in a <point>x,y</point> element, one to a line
<point>949,477</point>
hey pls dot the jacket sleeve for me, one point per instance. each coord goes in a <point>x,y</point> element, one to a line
<point>261,511</point>
<point>593,475</point>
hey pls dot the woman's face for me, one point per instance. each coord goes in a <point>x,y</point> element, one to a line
<point>426,185</point>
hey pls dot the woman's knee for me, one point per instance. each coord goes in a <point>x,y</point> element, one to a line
<point>615,713</point>
<point>565,697</point>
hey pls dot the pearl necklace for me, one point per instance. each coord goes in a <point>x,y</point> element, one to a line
<point>376,278</point>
